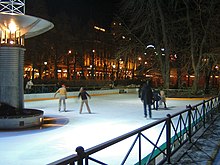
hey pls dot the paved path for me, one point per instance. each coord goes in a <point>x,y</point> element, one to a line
<point>112,116</point>
<point>204,149</point>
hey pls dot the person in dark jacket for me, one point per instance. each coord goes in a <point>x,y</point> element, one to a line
<point>147,98</point>
<point>83,95</point>
<point>157,98</point>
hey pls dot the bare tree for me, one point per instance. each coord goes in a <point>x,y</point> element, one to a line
<point>163,23</point>
<point>199,23</point>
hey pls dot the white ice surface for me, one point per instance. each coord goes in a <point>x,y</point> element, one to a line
<point>112,116</point>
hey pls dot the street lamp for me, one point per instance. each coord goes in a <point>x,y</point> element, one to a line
<point>112,75</point>
<point>93,63</point>
<point>68,65</point>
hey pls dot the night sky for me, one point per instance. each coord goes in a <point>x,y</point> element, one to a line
<point>100,11</point>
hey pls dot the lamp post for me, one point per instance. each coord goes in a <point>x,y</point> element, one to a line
<point>93,63</point>
<point>112,75</point>
<point>46,69</point>
<point>68,64</point>
<point>74,73</point>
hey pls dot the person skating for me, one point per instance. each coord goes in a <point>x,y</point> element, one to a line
<point>83,95</point>
<point>163,98</point>
<point>156,99</point>
<point>62,97</point>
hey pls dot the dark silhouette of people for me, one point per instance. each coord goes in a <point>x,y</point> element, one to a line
<point>157,98</point>
<point>147,98</point>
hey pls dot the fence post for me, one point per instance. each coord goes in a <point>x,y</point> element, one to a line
<point>139,134</point>
<point>168,137</point>
<point>204,113</point>
<point>81,154</point>
<point>218,103</point>
<point>190,124</point>
<point>212,108</point>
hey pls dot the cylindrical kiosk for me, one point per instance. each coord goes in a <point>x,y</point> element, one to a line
<point>11,71</point>
<point>15,27</point>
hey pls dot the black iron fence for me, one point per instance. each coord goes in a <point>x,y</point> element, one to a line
<point>146,145</point>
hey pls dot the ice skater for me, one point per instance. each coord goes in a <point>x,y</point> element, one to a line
<point>83,95</point>
<point>62,97</point>
<point>163,99</point>
<point>157,98</point>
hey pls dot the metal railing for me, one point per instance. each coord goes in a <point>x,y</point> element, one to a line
<point>50,88</point>
<point>174,131</point>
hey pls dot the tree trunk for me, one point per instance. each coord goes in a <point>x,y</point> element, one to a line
<point>166,66</point>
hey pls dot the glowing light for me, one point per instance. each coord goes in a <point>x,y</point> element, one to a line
<point>150,46</point>
<point>12,26</point>
<point>98,28</point>
<point>41,120</point>
<point>190,76</point>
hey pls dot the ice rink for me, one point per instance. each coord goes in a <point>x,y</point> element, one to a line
<point>112,115</point>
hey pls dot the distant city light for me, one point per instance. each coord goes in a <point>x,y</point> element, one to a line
<point>99,28</point>
<point>150,46</point>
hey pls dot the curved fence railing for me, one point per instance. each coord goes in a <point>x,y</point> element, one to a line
<point>51,88</point>
<point>154,143</point>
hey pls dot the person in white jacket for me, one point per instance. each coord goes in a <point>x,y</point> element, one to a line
<point>29,86</point>
<point>62,96</point>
